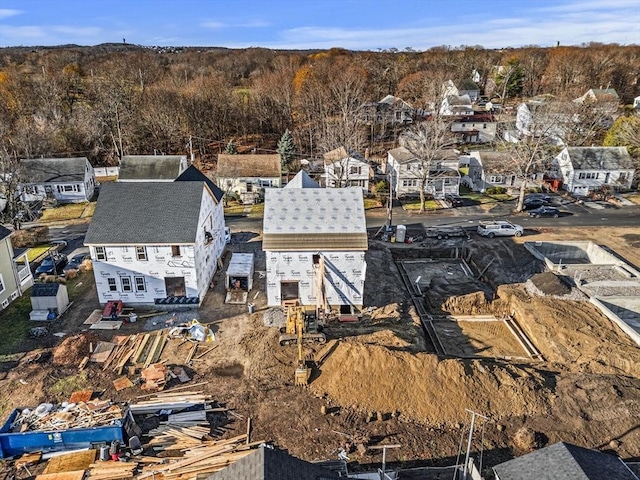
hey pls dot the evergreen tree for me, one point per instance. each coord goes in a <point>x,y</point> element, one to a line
<point>231,148</point>
<point>286,150</point>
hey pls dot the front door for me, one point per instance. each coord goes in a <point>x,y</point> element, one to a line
<point>175,287</point>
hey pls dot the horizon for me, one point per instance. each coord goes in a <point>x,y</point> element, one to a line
<point>402,25</point>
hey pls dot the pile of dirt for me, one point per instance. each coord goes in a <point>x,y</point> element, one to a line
<point>549,284</point>
<point>73,349</point>
<point>422,387</point>
<point>470,304</point>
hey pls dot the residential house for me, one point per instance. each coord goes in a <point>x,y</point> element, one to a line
<point>65,180</point>
<point>636,103</point>
<point>405,171</point>
<point>15,274</point>
<point>531,121</point>
<point>389,110</point>
<point>475,129</point>
<point>466,86</point>
<point>345,170</point>
<point>302,180</point>
<point>584,169</point>
<point>456,105</point>
<point>151,168</point>
<point>248,175</point>
<point>268,463</point>
<point>485,169</point>
<point>525,112</point>
<point>564,461</point>
<point>156,243</point>
<point>599,95</point>
<point>315,241</point>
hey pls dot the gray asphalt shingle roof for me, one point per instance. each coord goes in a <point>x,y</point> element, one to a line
<point>272,464</point>
<point>192,174</point>
<point>599,158</point>
<point>146,213</point>
<point>150,167</point>
<point>53,170</point>
<point>564,461</point>
<point>4,232</point>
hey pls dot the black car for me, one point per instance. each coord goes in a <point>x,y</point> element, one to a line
<point>52,265</point>
<point>453,200</point>
<point>545,211</point>
<point>75,262</point>
<point>537,197</point>
<point>533,203</point>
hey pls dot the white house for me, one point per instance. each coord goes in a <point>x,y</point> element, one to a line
<point>636,102</point>
<point>584,169</point>
<point>459,105</point>
<point>15,274</point>
<point>344,170</point>
<point>151,168</point>
<point>475,129</point>
<point>389,110</point>
<point>156,243</point>
<point>315,241</point>
<point>248,175</point>
<point>67,180</point>
<point>485,169</point>
<point>405,170</point>
<point>608,95</point>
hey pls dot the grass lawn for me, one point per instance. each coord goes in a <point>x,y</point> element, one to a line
<point>633,197</point>
<point>14,324</point>
<point>482,198</point>
<point>64,212</point>
<point>372,203</point>
<point>415,206</point>
<point>233,209</point>
<point>35,252</point>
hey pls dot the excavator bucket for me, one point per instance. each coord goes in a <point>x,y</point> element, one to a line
<point>302,376</point>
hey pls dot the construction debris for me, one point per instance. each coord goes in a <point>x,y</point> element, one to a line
<point>65,416</point>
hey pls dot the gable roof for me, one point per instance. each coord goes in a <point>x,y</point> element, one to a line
<point>271,464</point>
<point>53,170</point>
<point>458,100</point>
<point>4,232</point>
<point>494,162</point>
<point>335,155</point>
<point>146,213</point>
<point>314,219</point>
<point>250,166</point>
<point>404,155</point>
<point>599,158</point>
<point>150,167</point>
<point>564,461</point>
<point>192,174</point>
<point>467,84</point>
<point>302,180</point>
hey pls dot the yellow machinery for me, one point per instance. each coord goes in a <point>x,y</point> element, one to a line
<point>303,372</point>
<point>301,327</point>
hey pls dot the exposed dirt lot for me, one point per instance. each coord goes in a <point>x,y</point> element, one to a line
<point>586,390</point>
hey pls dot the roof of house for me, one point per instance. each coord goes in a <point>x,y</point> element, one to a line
<point>53,170</point>
<point>4,232</point>
<point>272,464</point>
<point>494,161</point>
<point>144,213</point>
<point>599,158</point>
<point>302,180</point>
<point>40,289</point>
<point>467,84</point>
<point>335,155</point>
<point>404,155</point>
<point>192,174</point>
<point>314,219</point>
<point>150,167</point>
<point>458,100</point>
<point>606,92</point>
<point>248,166</point>
<point>564,461</point>
<point>391,100</point>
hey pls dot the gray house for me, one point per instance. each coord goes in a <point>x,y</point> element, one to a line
<point>15,274</point>
<point>67,180</point>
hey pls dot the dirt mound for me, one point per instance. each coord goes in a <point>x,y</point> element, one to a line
<point>73,349</point>
<point>387,312</point>
<point>470,304</point>
<point>526,440</point>
<point>421,387</point>
<point>549,284</point>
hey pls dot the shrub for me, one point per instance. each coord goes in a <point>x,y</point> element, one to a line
<point>496,190</point>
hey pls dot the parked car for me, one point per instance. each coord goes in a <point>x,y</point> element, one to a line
<point>533,203</point>
<point>500,228</point>
<point>227,235</point>
<point>453,200</point>
<point>52,265</point>
<point>75,262</point>
<point>537,196</point>
<point>545,211</point>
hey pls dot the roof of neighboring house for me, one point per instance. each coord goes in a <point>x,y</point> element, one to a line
<point>404,155</point>
<point>458,100</point>
<point>599,158</point>
<point>248,166</point>
<point>564,461</point>
<point>314,219</point>
<point>150,167</point>
<point>335,155</point>
<point>494,161</point>
<point>271,464</point>
<point>144,213</point>
<point>391,100</point>
<point>192,174</point>
<point>302,180</point>
<point>4,232</point>
<point>467,84</point>
<point>53,170</point>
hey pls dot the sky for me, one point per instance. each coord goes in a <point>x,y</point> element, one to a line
<point>320,24</point>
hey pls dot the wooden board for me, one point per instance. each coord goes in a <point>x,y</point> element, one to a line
<point>71,462</point>
<point>102,352</point>
<point>28,459</point>
<point>77,475</point>
<point>81,396</point>
<point>106,325</point>
<point>95,317</point>
<point>122,383</point>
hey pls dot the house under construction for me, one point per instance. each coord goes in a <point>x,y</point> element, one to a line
<point>315,241</point>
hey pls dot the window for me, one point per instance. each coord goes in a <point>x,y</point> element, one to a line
<point>409,183</point>
<point>141,253</point>
<point>112,284</point>
<point>588,175</point>
<point>622,176</point>
<point>140,285</point>
<point>126,284</point>
<point>355,170</point>
<point>496,179</point>
<point>5,303</point>
<point>101,254</point>
<point>175,250</point>
<point>2,287</point>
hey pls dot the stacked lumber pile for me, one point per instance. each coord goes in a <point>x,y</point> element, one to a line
<point>175,399</point>
<point>94,413</point>
<point>166,437</point>
<point>203,459</point>
<point>112,470</point>
<point>142,349</point>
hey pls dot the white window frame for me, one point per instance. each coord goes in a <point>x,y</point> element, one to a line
<point>141,254</point>
<point>496,179</point>
<point>101,253</point>
<point>140,283</point>
<point>3,287</point>
<point>5,303</point>
<point>112,284</point>
<point>125,283</point>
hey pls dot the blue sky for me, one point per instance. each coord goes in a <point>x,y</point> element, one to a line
<point>302,24</point>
